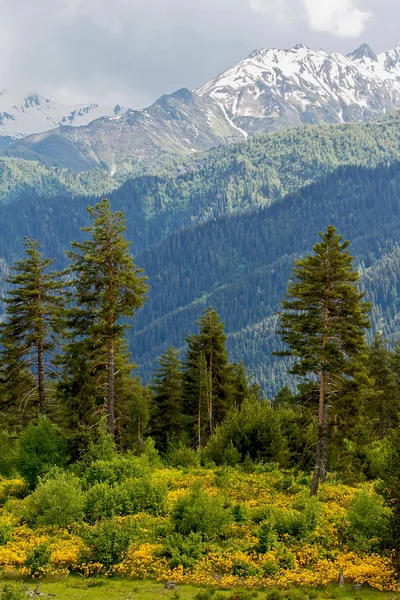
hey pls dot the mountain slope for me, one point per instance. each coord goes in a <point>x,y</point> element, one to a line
<point>241,264</point>
<point>27,179</point>
<point>174,126</point>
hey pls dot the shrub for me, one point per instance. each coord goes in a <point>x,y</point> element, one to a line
<point>197,512</point>
<point>41,448</point>
<point>244,568</point>
<point>270,567</point>
<point>12,591</point>
<point>8,455</point>
<point>183,551</point>
<point>115,471</point>
<point>368,518</point>
<point>267,537</point>
<point>107,542</point>
<point>129,498</point>
<point>254,429</point>
<point>298,524</point>
<point>105,501</point>
<point>38,561</point>
<point>182,456</point>
<point>231,455</point>
<point>5,533</point>
<point>58,500</point>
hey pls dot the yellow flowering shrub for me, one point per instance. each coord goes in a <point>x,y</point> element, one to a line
<point>311,558</point>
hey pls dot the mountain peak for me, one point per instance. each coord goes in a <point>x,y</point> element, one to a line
<point>363,51</point>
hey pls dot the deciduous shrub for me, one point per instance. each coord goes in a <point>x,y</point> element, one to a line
<point>197,512</point>
<point>107,542</point>
<point>183,550</point>
<point>38,561</point>
<point>41,448</point>
<point>368,519</point>
<point>115,470</point>
<point>57,500</point>
<point>128,498</point>
<point>12,591</point>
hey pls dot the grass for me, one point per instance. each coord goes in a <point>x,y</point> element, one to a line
<point>99,588</point>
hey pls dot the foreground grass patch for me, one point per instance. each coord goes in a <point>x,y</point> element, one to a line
<point>102,588</point>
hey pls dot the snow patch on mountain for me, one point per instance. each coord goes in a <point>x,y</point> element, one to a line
<point>300,85</point>
<point>20,116</point>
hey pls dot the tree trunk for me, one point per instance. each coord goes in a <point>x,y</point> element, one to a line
<point>321,452</point>
<point>111,387</point>
<point>41,382</point>
<point>210,404</point>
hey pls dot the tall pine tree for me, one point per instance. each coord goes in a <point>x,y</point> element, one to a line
<point>323,323</point>
<point>28,337</point>
<point>108,290</point>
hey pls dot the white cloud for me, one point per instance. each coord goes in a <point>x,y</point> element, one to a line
<point>339,17</point>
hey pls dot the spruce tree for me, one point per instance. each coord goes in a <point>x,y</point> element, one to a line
<point>207,375</point>
<point>28,337</point>
<point>323,321</point>
<point>383,405</point>
<point>108,290</point>
<point>167,388</point>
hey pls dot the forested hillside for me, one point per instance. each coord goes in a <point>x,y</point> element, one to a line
<point>24,178</point>
<point>253,207</point>
<point>241,264</point>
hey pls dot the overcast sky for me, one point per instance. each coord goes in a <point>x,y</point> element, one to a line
<point>133,51</point>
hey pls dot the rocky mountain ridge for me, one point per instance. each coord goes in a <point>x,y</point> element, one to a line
<point>268,91</point>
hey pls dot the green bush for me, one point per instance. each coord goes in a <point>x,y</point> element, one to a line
<point>368,519</point>
<point>270,567</point>
<point>298,523</point>
<point>9,454</point>
<point>107,542</point>
<point>243,568</point>
<point>182,456</point>
<point>41,448</point>
<point>115,471</point>
<point>38,561</point>
<point>57,500</point>
<point>185,551</point>
<point>129,498</point>
<point>5,533</point>
<point>12,591</point>
<point>197,512</point>
<point>104,500</point>
<point>253,430</point>
<point>267,537</point>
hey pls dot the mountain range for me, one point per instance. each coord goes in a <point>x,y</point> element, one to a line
<point>268,91</point>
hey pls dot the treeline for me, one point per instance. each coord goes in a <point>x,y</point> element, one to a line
<point>64,357</point>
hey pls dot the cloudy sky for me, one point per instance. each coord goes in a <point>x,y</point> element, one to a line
<point>132,51</point>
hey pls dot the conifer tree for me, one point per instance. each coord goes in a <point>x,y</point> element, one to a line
<point>383,403</point>
<point>167,388</point>
<point>207,375</point>
<point>28,336</point>
<point>323,323</point>
<point>108,290</point>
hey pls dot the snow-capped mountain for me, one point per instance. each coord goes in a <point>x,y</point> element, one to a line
<point>268,91</point>
<point>176,125</point>
<point>272,89</point>
<point>20,117</point>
